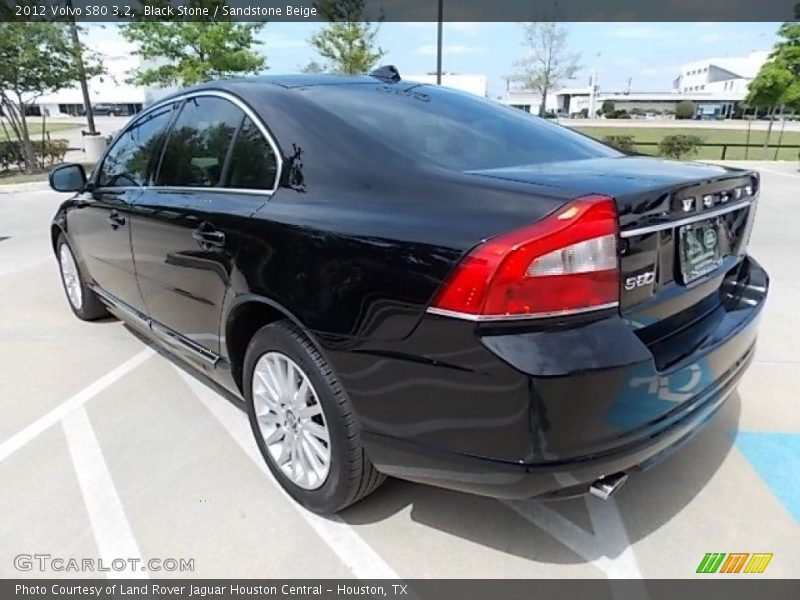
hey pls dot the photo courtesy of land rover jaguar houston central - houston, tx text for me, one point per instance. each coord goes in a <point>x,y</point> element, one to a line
<point>403,280</point>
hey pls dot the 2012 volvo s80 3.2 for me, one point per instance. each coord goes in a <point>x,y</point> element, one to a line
<point>400,279</point>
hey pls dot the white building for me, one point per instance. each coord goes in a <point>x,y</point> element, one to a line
<point>118,58</point>
<point>715,85</point>
<point>474,84</point>
<point>729,76</point>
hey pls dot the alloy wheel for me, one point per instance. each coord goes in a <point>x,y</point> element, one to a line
<point>72,280</point>
<point>291,420</point>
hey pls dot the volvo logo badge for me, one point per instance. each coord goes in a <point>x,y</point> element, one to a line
<point>688,204</point>
<point>708,201</point>
<point>710,239</point>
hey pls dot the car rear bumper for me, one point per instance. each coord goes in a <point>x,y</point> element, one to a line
<point>544,411</point>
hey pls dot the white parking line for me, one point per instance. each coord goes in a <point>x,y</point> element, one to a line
<point>18,440</point>
<point>340,537</point>
<point>607,548</point>
<point>610,529</point>
<point>110,527</point>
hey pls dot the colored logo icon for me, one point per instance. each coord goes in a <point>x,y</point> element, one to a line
<point>734,562</point>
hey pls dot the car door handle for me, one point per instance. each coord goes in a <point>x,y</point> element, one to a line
<point>208,237</point>
<point>115,219</point>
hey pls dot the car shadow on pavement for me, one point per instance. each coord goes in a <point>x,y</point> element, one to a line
<point>556,532</point>
<point>565,531</point>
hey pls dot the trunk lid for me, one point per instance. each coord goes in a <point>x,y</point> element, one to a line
<point>668,281</point>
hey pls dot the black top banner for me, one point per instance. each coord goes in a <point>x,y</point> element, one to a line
<point>399,10</point>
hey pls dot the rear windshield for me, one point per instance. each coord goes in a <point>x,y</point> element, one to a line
<point>453,129</point>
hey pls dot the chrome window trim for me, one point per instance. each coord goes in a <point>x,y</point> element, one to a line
<point>722,210</point>
<point>177,188</point>
<point>493,318</point>
<point>214,93</point>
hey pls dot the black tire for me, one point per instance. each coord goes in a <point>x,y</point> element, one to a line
<point>91,308</point>
<point>351,475</point>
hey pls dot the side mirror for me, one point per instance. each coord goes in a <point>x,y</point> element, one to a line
<point>68,178</point>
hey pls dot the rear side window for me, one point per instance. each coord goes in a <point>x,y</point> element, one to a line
<point>452,129</point>
<point>253,164</point>
<point>195,152</point>
<point>134,153</point>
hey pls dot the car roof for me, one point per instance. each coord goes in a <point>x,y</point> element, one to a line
<point>302,80</point>
<point>291,81</point>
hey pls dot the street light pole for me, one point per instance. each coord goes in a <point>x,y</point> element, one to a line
<point>78,53</point>
<point>439,44</point>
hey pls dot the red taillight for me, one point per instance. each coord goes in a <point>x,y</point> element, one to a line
<point>565,263</point>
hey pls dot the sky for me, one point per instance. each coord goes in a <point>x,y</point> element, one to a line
<point>648,53</point>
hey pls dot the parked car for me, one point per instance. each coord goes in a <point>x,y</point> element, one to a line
<point>111,110</point>
<point>400,279</point>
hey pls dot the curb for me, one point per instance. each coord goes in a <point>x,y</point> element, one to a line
<point>29,186</point>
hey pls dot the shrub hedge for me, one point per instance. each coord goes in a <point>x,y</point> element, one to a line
<point>678,146</point>
<point>47,152</point>
<point>623,143</point>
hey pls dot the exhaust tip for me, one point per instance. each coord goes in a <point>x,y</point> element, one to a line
<point>606,486</point>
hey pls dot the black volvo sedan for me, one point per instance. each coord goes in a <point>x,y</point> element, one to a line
<point>400,279</point>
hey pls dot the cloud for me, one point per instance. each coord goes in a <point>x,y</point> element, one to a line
<point>664,70</point>
<point>431,26</point>
<point>280,41</point>
<point>464,27</point>
<point>636,31</point>
<point>711,38</point>
<point>458,27</point>
<point>430,49</point>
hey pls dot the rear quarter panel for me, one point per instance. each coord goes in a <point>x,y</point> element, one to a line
<point>358,237</point>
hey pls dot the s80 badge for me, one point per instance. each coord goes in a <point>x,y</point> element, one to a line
<point>642,279</point>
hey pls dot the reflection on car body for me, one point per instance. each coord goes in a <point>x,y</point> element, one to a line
<point>400,279</point>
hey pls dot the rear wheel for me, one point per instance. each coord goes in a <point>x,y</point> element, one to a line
<point>82,300</point>
<point>303,422</point>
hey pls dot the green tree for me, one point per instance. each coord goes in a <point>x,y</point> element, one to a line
<point>777,83</point>
<point>787,56</point>
<point>549,64</point>
<point>36,58</point>
<point>623,143</point>
<point>679,145</point>
<point>313,67</point>
<point>185,53</point>
<point>685,109</point>
<point>348,41</point>
<point>607,107</point>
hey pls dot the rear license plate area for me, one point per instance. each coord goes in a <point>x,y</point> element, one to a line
<point>699,249</point>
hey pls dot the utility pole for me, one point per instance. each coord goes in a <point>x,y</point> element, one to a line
<point>76,49</point>
<point>439,44</point>
<point>593,88</point>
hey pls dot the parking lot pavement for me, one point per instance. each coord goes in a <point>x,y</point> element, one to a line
<point>110,449</point>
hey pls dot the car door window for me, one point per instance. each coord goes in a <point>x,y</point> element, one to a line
<point>131,158</point>
<point>195,152</point>
<point>253,164</point>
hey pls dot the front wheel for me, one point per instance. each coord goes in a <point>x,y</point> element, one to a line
<point>303,422</point>
<point>82,299</point>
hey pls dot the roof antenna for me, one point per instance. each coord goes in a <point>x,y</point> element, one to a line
<point>387,73</point>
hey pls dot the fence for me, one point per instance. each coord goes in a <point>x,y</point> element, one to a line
<point>793,150</point>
